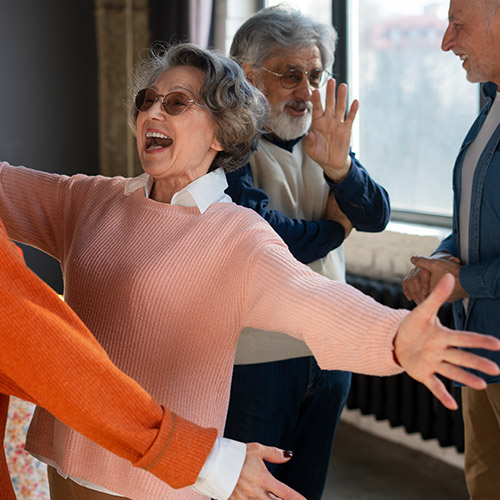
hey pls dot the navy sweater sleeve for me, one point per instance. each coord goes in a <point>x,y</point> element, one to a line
<point>365,203</point>
<point>307,240</point>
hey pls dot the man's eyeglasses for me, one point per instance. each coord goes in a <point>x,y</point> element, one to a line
<point>174,103</point>
<point>293,77</point>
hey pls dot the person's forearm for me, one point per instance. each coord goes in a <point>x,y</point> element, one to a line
<point>344,329</point>
<point>80,384</point>
<point>308,240</point>
<point>364,202</point>
<point>480,280</point>
<point>447,246</point>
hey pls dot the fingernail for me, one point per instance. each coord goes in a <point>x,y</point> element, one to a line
<point>288,454</point>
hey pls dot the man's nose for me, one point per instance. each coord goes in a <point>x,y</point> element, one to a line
<point>304,90</point>
<point>447,41</point>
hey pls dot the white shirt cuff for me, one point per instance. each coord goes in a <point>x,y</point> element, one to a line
<point>221,471</point>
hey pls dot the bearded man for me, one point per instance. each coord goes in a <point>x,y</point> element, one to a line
<point>308,185</point>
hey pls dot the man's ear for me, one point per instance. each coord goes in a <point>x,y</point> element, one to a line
<point>249,72</point>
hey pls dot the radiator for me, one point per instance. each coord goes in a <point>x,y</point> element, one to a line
<point>399,399</point>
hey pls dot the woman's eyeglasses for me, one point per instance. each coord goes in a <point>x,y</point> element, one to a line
<point>174,103</point>
<point>293,77</point>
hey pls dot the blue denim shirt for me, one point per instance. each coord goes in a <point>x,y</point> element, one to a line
<point>481,277</point>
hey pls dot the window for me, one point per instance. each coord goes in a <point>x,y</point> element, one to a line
<point>415,102</point>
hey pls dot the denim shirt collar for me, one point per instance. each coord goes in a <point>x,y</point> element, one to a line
<point>489,89</point>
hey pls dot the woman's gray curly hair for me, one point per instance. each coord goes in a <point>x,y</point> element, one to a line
<point>238,109</point>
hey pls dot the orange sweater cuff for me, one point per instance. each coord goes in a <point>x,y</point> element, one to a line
<point>179,451</point>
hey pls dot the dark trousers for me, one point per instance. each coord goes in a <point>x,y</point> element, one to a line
<point>295,406</point>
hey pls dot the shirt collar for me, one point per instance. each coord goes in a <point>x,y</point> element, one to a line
<point>201,193</point>
<point>489,89</point>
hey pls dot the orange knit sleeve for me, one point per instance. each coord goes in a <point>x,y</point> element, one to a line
<point>40,334</point>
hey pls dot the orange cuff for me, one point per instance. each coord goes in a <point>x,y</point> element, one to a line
<point>179,451</point>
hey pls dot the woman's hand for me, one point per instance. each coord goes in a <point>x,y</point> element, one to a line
<point>256,482</point>
<point>425,348</point>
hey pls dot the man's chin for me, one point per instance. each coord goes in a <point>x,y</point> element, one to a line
<point>288,128</point>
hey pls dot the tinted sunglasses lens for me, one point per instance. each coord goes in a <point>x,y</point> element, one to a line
<point>291,79</point>
<point>144,99</point>
<point>175,103</point>
<point>317,78</point>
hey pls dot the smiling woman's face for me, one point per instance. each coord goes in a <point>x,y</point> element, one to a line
<point>179,147</point>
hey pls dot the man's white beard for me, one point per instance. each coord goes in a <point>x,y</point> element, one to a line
<point>286,126</point>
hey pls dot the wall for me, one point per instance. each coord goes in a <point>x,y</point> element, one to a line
<point>48,94</point>
<point>229,16</point>
<point>386,255</point>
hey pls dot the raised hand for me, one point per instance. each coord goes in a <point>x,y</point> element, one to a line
<point>256,482</point>
<point>425,348</point>
<point>329,139</point>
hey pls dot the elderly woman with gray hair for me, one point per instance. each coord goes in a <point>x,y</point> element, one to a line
<point>165,270</point>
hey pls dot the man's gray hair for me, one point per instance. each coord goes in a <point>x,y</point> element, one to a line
<point>281,28</point>
<point>238,109</point>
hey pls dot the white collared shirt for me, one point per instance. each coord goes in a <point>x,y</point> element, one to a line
<point>222,469</point>
<point>200,193</point>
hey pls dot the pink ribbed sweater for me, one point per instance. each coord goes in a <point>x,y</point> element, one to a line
<point>167,290</point>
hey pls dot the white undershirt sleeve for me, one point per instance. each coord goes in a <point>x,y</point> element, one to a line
<point>221,471</point>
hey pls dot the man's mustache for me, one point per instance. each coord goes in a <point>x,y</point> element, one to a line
<point>299,105</point>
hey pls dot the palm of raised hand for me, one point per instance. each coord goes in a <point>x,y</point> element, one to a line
<point>329,140</point>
